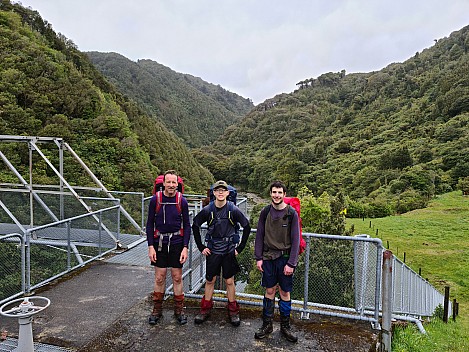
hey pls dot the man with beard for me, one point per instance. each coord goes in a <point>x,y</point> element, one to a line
<point>276,253</point>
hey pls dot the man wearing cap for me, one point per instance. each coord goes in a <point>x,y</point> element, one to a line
<point>222,247</point>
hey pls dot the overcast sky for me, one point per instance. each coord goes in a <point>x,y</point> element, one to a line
<point>257,48</point>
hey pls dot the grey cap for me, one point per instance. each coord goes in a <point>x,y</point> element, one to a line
<point>219,184</point>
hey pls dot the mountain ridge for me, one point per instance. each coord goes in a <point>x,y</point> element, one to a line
<point>195,110</point>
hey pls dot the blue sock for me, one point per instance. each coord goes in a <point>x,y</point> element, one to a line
<point>284,307</point>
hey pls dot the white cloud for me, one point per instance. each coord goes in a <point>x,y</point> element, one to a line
<point>257,48</point>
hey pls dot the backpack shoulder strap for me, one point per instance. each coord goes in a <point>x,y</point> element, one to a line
<point>231,207</point>
<point>290,215</point>
<point>179,208</point>
<point>211,215</point>
<point>179,202</point>
<point>265,211</point>
<point>159,199</point>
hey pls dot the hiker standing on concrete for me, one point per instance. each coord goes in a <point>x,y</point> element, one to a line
<point>168,234</point>
<point>276,252</point>
<point>222,218</point>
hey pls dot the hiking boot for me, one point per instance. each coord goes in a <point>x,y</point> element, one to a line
<point>285,329</point>
<point>179,309</point>
<point>181,319</point>
<point>205,309</point>
<point>153,319</point>
<point>233,313</point>
<point>157,312</point>
<point>265,329</point>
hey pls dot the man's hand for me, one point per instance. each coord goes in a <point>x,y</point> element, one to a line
<point>206,251</point>
<point>288,270</point>
<point>183,257</point>
<point>259,265</point>
<point>152,254</point>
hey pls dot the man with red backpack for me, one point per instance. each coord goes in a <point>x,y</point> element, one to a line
<point>168,234</point>
<point>223,245</point>
<point>276,252</point>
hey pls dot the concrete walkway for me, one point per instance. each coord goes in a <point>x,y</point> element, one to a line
<point>105,307</point>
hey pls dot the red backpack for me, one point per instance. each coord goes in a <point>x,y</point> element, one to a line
<point>294,202</point>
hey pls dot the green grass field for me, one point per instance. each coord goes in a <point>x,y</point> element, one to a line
<point>434,240</point>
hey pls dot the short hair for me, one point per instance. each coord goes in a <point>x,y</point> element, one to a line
<point>169,172</point>
<point>278,184</point>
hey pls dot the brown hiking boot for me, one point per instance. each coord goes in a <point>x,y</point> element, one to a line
<point>265,329</point>
<point>285,329</point>
<point>205,309</point>
<point>179,309</point>
<point>157,312</point>
<point>233,313</point>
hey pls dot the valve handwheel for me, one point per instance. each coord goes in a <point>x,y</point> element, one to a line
<point>26,308</point>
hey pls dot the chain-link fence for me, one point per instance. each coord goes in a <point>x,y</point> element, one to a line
<point>55,249</point>
<point>12,259</point>
<point>337,276</point>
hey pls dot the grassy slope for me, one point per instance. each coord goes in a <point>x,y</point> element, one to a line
<point>433,239</point>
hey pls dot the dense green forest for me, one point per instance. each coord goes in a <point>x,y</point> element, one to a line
<point>49,88</point>
<point>389,140</point>
<point>197,111</point>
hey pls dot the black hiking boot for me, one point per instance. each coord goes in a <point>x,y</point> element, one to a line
<point>285,329</point>
<point>181,319</point>
<point>265,329</point>
<point>153,319</point>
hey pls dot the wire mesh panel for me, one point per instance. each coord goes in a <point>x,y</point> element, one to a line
<point>57,248</point>
<point>411,293</point>
<point>365,269</point>
<point>10,263</point>
<point>17,204</point>
<point>330,272</point>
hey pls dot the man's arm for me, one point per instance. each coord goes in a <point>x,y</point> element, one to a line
<point>196,224</point>
<point>244,222</point>
<point>150,229</point>
<point>186,222</point>
<point>260,232</point>
<point>295,241</point>
<point>259,242</point>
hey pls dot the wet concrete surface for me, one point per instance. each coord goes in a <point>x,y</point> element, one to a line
<point>132,333</point>
<point>106,307</point>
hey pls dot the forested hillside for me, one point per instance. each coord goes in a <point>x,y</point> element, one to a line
<point>389,140</point>
<point>49,88</point>
<point>197,111</point>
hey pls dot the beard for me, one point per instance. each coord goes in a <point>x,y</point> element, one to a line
<point>277,202</point>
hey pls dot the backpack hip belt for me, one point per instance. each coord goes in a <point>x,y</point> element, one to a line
<point>219,239</point>
<point>161,235</point>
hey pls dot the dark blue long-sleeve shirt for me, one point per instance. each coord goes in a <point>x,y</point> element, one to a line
<point>168,220</point>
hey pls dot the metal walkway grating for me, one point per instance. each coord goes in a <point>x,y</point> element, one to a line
<point>136,256</point>
<point>10,344</point>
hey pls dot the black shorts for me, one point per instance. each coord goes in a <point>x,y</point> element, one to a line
<point>216,262</point>
<point>168,260</point>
